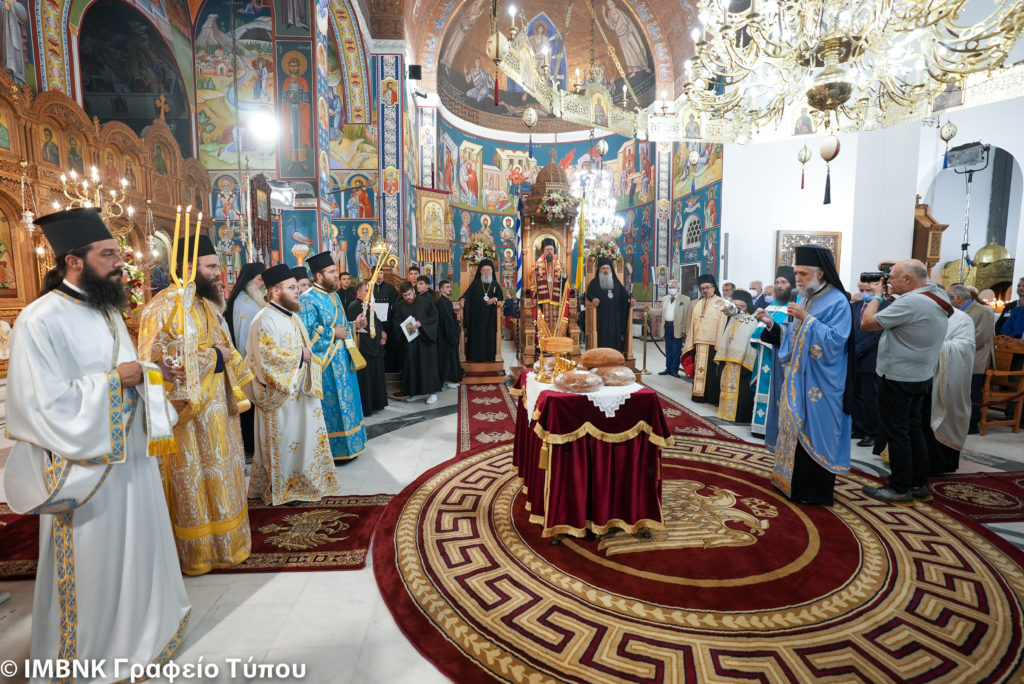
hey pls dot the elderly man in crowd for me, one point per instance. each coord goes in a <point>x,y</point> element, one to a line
<point>914,327</point>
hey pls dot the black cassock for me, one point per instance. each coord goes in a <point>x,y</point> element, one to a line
<point>448,365</point>
<point>419,357</point>
<point>612,314</point>
<point>481,320</point>
<point>386,293</point>
<point>372,385</point>
<point>347,296</point>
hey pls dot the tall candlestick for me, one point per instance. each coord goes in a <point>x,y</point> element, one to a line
<point>195,249</point>
<point>174,248</point>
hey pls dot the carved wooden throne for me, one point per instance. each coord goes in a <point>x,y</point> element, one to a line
<point>535,227</point>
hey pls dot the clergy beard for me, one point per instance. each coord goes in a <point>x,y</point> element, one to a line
<point>101,291</point>
<point>257,292</point>
<point>287,302</point>
<point>782,296</point>
<point>207,289</point>
<point>329,285</point>
<point>606,281</point>
<point>549,258</point>
<point>487,279</point>
<point>811,288</point>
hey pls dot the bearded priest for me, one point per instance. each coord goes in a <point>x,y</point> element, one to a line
<point>331,336</point>
<point>612,301</point>
<point>816,346</point>
<point>244,302</point>
<point>767,375</point>
<point>205,477</point>
<point>293,459</point>
<point>480,304</point>
<point>705,328</point>
<point>79,407</point>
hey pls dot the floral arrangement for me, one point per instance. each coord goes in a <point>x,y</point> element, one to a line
<point>607,250</point>
<point>478,250</point>
<point>134,281</point>
<point>555,205</point>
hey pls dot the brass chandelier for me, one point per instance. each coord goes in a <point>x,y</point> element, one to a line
<point>857,64</point>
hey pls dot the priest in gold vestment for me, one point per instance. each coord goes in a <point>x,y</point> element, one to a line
<point>705,328</point>
<point>204,480</point>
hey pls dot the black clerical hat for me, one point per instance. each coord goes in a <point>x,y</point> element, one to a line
<point>319,262</point>
<point>484,262</point>
<point>185,248</point>
<point>277,274</point>
<point>300,272</point>
<point>787,273</point>
<point>604,261</point>
<point>73,228</point>
<point>817,256</point>
<point>744,296</point>
<point>548,241</point>
<point>707,278</point>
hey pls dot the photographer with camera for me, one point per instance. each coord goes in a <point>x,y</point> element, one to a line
<point>865,384</point>
<point>913,328</point>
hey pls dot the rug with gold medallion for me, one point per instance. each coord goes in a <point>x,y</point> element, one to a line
<point>743,585</point>
<point>331,534</point>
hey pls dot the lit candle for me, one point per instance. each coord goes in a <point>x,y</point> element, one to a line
<point>174,248</point>
<point>195,247</point>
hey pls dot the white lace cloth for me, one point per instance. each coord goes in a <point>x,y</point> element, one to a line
<point>608,400</point>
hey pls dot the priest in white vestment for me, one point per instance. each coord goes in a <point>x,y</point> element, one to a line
<point>951,395</point>
<point>293,460</point>
<point>87,418</point>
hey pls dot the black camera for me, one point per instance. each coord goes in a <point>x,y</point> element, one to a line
<point>883,273</point>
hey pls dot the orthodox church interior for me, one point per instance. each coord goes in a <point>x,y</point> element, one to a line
<point>676,138</point>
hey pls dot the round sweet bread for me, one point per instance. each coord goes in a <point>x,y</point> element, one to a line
<point>556,345</point>
<point>616,376</point>
<point>578,381</point>
<point>600,357</point>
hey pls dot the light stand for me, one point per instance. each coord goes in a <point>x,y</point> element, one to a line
<point>968,155</point>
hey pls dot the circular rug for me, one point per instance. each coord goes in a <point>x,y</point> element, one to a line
<point>743,585</point>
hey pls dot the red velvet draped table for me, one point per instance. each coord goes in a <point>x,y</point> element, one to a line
<point>582,470</point>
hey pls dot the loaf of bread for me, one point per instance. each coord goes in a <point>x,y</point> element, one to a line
<point>616,376</point>
<point>601,357</point>
<point>578,381</point>
<point>549,364</point>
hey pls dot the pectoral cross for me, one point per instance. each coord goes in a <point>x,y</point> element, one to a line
<point>161,106</point>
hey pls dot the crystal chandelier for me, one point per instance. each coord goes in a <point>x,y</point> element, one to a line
<point>595,188</point>
<point>80,191</point>
<point>857,64</point>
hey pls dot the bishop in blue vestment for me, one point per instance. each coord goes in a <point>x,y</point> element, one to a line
<point>329,331</point>
<point>814,408</point>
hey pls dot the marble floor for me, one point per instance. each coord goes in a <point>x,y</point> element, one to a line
<point>336,623</point>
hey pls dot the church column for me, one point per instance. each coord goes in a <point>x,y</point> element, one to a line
<point>663,200</point>
<point>329,240</point>
<point>428,145</point>
<point>390,88</point>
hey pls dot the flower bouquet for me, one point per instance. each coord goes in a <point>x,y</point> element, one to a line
<point>134,281</point>
<point>606,250</point>
<point>478,250</point>
<point>556,206</point>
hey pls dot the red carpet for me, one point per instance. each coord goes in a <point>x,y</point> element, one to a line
<point>487,417</point>
<point>983,497</point>
<point>683,421</point>
<point>743,586</point>
<point>332,534</point>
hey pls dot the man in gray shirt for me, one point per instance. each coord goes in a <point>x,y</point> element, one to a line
<point>914,326</point>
